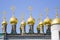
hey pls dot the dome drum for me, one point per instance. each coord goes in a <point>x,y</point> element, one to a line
<point>47,21</point>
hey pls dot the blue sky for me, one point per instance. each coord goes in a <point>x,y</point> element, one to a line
<point>39,6</point>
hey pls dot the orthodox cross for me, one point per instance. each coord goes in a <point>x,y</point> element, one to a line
<point>40,19</point>
<point>22,17</point>
<point>30,8</point>
<point>4,15</point>
<point>47,12</point>
<point>13,9</point>
<point>56,11</point>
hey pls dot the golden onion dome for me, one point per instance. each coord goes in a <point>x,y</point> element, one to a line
<point>4,22</point>
<point>38,27</point>
<point>31,20</point>
<point>23,23</point>
<point>13,20</point>
<point>40,23</point>
<point>47,21</point>
<point>56,21</point>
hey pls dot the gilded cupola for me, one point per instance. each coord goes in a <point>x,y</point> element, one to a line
<point>4,22</point>
<point>47,20</point>
<point>13,19</point>
<point>40,25</point>
<point>40,22</point>
<point>23,23</point>
<point>56,20</point>
<point>31,20</point>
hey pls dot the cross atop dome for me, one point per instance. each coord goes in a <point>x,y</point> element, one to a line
<point>13,9</point>
<point>13,19</point>
<point>47,10</point>
<point>56,11</point>
<point>4,15</point>
<point>22,17</point>
<point>40,19</point>
<point>30,9</point>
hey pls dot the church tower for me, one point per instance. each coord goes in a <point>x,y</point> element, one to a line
<point>55,27</point>
<point>22,25</point>
<point>40,27</point>
<point>47,23</point>
<point>31,21</point>
<point>4,23</point>
<point>13,21</point>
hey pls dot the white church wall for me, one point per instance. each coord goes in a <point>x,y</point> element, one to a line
<point>55,32</point>
<point>29,39</point>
